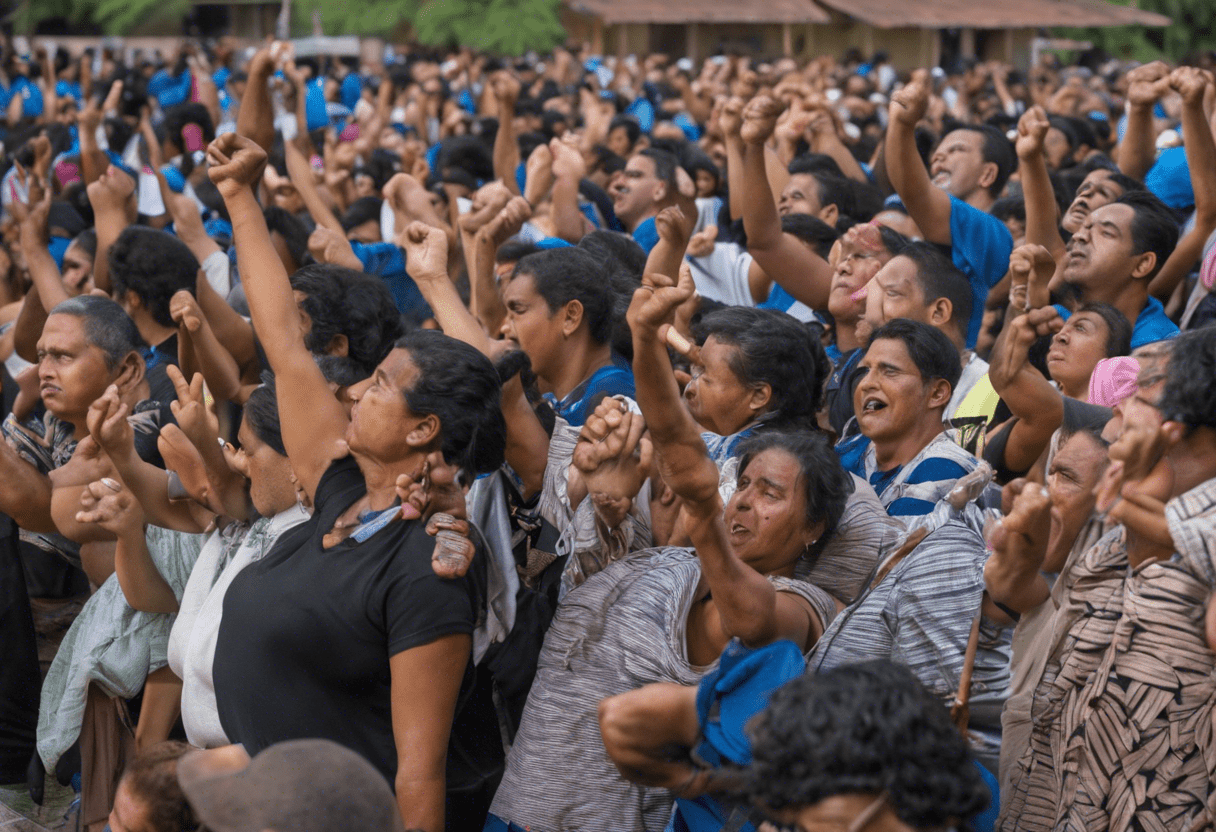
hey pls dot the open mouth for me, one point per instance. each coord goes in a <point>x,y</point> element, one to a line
<point>941,178</point>
<point>872,405</point>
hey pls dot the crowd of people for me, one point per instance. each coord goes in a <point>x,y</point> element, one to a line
<point>580,444</point>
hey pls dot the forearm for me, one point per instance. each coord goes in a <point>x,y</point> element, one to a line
<point>26,496</point>
<point>299,171</point>
<point>150,486</point>
<point>232,331</point>
<point>665,258</point>
<point>506,149</point>
<point>272,305</point>
<point>735,178</point>
<point>831,145</point>
<point>775,171</point>
<point>1201,159</point>
<point>217,365</point>
<point>142,584</point>
<point>453,317</point>
<point>567,219</point>
<point>928,206</point>
<point>44,273</point>
<point>93,160</point>
<point>1138,150</point>
<point>255,116</point>
<point>1015,583</point>
<point>485,300</point>
<point>28,327</point>
<point>745,600</point>
<point>422,803</point>
<point>1042,226</point>
<point>109,226</point>
<point>758,208</point>
<point>527,450</point>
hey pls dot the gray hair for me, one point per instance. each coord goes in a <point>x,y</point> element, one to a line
<point>106,326</point>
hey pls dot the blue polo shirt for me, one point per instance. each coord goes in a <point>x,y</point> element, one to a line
<point>980,246</point>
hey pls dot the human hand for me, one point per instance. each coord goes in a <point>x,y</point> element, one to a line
<point>674,227</point>
<point>1031,268</point>
<point>1147,83</point>
<point>111,192</point>
<point>1191,83</point>
<point>760,119</point>
<point>32,217</point>
<point>426,252</point>
<point>506,89</point>
<point>236,164</point>
<point>434,494</point>
<point>1021,534</point>
<point>730,119</point>
<point>1032,131</point>
<point>908,106</point>
<point>507,223</point>
<point>702,243</point>
<point>108,425</point>
<point>488,200</point>
<point>329,246</point>
<point>111,505</point>
<point>568,162</point>
<point>190,408</point>
<point>614,458</point>
<point>656,300</point>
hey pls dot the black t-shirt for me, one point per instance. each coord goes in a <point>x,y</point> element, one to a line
<point>307,632</point>
<point>157,359</point>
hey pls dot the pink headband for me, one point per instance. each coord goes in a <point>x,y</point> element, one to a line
<point>1113,380</point>
<point>349,133</point>
<point>192,135</point>
<point>1207,272</point>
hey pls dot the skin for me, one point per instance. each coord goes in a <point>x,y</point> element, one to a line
<point>899,410</point>
<point>77,272</point>
<point>368,232</point>
<point>800,196</point>
<point>895,292</point>
<point>1071,479</point>
<point>1075,351</point>
<point>841,811</point>
<point>958,167</point>
<point>1096,190</point>
<point>72,373</point>
<point>716,397</point>
<point>1101,264</point>
<point>637,193</point>
<point>130,814</point>
<point>271,482</point>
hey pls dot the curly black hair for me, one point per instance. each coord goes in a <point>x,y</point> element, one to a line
<point>865,728</point>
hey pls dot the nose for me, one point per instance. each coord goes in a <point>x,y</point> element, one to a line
<point>355,391</point>
<point>507,330</point>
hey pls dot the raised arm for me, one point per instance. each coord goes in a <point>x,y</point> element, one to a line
<point>1042,222</point>
<point>569,169</point>
<point>314,422</point>
<point>1030,397</point>
<point>34,240</point>
<point>1191,83</point>
<point>1018,545</point>
<point>1138,150</point>
<point>255,118</point>
<point>506,149</point>
<point>928,205</point>
<point>802,272</point>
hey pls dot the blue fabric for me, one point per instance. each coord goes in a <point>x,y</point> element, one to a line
<point>351,90</point>
<point>6,96</point>
<point>116,161</point>
<point>985,821</point>
<point>642,110</point>
<point>58,247</point>
<point>980,246</point>
<point>1151,324</point>
<point>170,90</point>
<point>778,299</point>
<point>467,102</point>
<point>553,242</point>
<point>432,160</point>
<point>646,235</point>
<point>740,687</point>
<point>1170,179</point>
<point>521,176</point>
<point>315,111</point>
<point>388,262</point>
<point>174,178</point>
<point>32,104</point>
<point>496,824</point>
<point>691,131</point>
<point>69,89</point>
<point>615,379</point>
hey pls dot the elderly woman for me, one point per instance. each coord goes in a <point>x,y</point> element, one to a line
<point>370,643</point>
<point>665,615</point>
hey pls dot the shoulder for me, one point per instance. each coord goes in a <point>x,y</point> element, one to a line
<point>851,451</point>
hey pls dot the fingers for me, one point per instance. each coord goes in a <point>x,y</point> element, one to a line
<point>184,391</point>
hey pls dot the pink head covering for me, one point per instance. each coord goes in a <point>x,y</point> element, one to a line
<point>1113,380</point>
<point>1207,271</point>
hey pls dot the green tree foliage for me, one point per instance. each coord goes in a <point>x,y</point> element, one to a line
<point>1191,30</point>
<point>113,16</point>
<point>503,27</point>
<point>355,17</point>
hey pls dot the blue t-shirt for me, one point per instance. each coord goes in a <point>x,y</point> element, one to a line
<point>170,90</point>
<point>615,379</point>
<point>980,246</point>
<point>1151,324</point>
<point>1170,179</point>
<point>388,262</point>
<point>646,235</point>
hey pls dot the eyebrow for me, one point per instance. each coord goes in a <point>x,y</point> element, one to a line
<point>766,482</point>
<point>1111,225</point>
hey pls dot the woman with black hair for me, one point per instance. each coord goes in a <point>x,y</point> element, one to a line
<point>371,644</point>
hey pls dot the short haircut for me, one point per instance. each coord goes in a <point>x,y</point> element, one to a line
<point>154,265</point>
<point>106,326</point>
<point>826,485</point>
<point>775,349</point>
<point>1190,396</point>
<point>997,149</point>
<point>934,355</point>
<point>152,777</point>
<point>460,386</point>
<point>87,240</point>
<point>1154,227</point>
<point>871,728</point>
<point>362,210</point>
<point>1118,328</point>
<point>940,278</point>
<point>665,165</point>
<point>565,274</point>
<point>342,301</point>
<point>811,230</point>
<point>815,164</point>
<point>261,411</point>
<point>630,125</point>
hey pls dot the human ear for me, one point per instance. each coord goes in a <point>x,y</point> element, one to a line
<point>988,175</point>
<point>940,311</point>
<point>762,395</point>
<point>338,345</point>
<point>572,317</point>
<point>131,371</point>
<point>829,214</point>
<point>1145,263</point>
<point>425,432</point>
<point>940,392</point>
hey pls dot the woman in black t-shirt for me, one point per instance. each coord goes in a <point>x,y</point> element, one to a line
<point>343,630</point>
